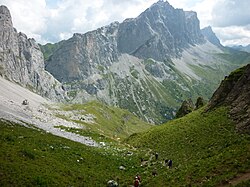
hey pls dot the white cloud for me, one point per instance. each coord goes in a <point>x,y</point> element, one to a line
<point>234,35</point>
<point>231,12</point>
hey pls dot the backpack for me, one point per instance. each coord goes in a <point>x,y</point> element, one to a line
<point>136,183</point>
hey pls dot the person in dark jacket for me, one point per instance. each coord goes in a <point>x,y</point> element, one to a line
<point>136,182</point>
<point>170,164</point>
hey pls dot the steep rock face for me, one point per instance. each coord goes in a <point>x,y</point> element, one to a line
<point>160,32</point>
<point>85,54</point>
<point>21,60</point>
<point>234,91</point>
<point>210,36</point>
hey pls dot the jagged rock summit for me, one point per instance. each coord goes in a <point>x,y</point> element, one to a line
<point>210,36</point>
<point>21,60</point>
<point>160,32</point>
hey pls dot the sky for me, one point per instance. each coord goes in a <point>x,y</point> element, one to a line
<point>55,20</point>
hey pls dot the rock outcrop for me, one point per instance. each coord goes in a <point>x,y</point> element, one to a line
<point>234,92</point>
<point>85,54</point>
<point>199,103</point>
<point>21,60</point>
<point>186,107</point>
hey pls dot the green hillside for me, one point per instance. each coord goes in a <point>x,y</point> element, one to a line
<point>104,120</point>
<point>31,157</point>
<point>204,147</point>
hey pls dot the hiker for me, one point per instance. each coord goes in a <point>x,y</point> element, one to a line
<point>139,177</point>
<point>136,182</point>
<point>25,102</point>
<point>154,172</point>
<point>112,183</point>
<point>156,156</point>
<point>166,162</point>
<point>170,164</point>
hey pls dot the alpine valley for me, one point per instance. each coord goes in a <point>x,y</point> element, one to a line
<point>97,107</point>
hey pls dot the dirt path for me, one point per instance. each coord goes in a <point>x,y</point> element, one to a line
<point>35,113</point>
<point>238,180</point>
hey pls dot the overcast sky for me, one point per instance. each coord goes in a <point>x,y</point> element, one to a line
<point>54,20</point>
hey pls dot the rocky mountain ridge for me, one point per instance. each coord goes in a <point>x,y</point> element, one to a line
<point>21,60</point>
<point>148,64</point>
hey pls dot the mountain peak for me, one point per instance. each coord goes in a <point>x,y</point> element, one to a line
<point>5,17</point>
<point>159,32</point>
<point>210,36</point>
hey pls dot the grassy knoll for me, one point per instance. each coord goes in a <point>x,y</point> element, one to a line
<point>31,157</point>
<point>204,147</point>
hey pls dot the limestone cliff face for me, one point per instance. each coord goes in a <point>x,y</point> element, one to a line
<point>160,32</point>
<point>85,54</point>
<point>22,61</point>
<point>234,92</point>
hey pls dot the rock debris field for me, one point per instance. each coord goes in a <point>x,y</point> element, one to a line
<point>35,112</point>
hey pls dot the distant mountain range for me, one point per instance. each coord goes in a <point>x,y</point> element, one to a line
<point>242,48</point>
<point>148,64</point>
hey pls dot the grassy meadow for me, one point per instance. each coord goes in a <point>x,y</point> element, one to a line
<point>204,147</point>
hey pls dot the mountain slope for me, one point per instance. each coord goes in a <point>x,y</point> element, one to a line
<point>234,91</point>
<point>205,145</point>
<point>242,48</point>
<point>31,157</point>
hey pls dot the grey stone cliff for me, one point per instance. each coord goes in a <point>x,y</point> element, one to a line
<point>21,61</point>
<point>210,36</point>
<point>160,32</point>
<point>85,54</point>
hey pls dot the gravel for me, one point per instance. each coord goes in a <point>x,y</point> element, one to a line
<point>36,112</point>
